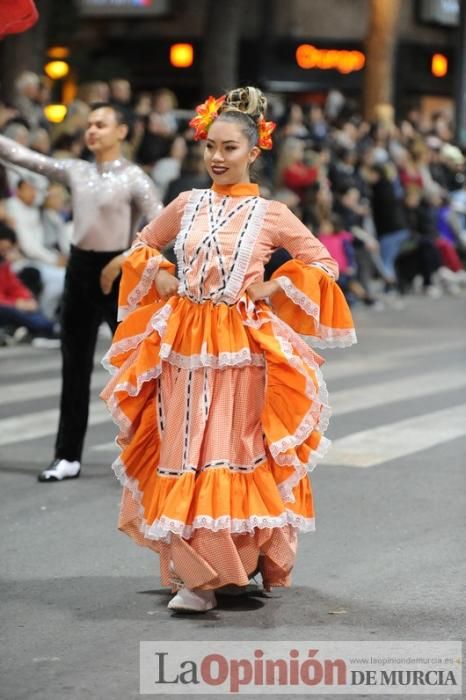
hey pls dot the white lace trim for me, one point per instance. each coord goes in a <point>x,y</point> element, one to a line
<point>236,526</point>
<point>317,418</point>
<point>241,358</point>
<point>247,309</point>
<point>141,379</point>
<point>323,267</point>
<point>163,528</point>
<point>158,323</point>
<point>121,421</point>
<point>147,278</point>
<point>328,337</point>
<point>236,278</point>
<point>333,337</point>
<point>189,215</point>
<point>122,313</point>
<point>301,469</point>
<point>299,298</point>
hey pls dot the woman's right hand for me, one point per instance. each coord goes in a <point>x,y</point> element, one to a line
<point>166,284</point>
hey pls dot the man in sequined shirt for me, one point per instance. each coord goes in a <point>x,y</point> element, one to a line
<point>110,196</point>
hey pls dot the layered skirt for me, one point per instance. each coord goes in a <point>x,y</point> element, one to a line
<point>221,413</point>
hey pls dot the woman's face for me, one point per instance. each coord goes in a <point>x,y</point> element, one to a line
<point>227,154</point>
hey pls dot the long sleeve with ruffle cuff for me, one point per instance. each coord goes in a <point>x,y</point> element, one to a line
<point>137,287</point>
<point>311,302</point>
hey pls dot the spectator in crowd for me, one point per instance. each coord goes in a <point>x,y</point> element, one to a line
<point>192,174</point>
<point>18,308</point>
<point>167,169</point>
<point>352,213</point>
<point>389,215</point>
<point>50,264</point>
<point>58,231</point>
<point>28,99</point>
<point>120,93</point>
<point>294,173</point>
<point>340,245</point>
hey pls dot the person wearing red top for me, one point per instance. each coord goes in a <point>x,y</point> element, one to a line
<point>292,170</point>
<point>18,308</point>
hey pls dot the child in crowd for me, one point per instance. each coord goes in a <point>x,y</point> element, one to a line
<point>339,244</point>
<point>18,308</point>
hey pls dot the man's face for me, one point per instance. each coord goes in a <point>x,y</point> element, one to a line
<point>6,248</point>
<point>103,130</point>
<point>27,193</point>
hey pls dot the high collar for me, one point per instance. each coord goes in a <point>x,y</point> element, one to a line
<point>108,166</point>
<point>241,189</point>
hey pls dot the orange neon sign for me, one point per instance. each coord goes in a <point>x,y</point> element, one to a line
<point>308,56</point>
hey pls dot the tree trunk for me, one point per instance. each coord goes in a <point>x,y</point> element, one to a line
<point>380,49</point>
<point>221,44</point>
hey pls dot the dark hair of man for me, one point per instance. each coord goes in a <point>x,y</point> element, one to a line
<point>7,233</point>
<point>121,115</point>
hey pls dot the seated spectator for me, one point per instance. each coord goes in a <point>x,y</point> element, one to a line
<point>339,243</point>
<point>353,212</point>
<point>54,214</point>
<point>28,98</point>
<point>169,168</point>
<point>192,175</point>
<point>293,171</point>
<point>389,215</point>
<point>160,128</point>
<point>18,308</point>
<point>29,230</point>
<point>293,123</point>
<point>419,256</point>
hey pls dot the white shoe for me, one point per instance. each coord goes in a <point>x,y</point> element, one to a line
<point>433,292</point>
<point>60,469</point>
<point>251,588</point>
<point>187,600</point>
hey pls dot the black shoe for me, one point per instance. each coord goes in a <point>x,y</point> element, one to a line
<point>59,470</point>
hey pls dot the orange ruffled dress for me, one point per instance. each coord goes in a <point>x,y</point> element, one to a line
<point>220,404</point>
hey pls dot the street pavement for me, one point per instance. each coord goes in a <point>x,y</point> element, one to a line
<point>385,563</point>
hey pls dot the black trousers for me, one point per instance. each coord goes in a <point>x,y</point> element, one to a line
<point>84,307</point>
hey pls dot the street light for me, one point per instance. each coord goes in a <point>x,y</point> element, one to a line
<point>181,55</point>
<point>439,65</point>
<point>55,113</point>
<point>57,69</point>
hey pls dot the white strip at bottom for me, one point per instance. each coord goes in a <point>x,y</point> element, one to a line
<point>29,426</point>
<point>368,448</point>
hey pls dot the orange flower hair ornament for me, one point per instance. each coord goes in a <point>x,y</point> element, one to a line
<point>266,130</point>
<point>207,112</point>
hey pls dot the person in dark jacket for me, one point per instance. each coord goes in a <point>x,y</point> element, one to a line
<point>389,215</point>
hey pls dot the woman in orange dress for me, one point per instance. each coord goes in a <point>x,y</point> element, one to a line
<point>220,404</point>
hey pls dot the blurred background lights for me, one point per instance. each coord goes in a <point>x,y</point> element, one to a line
<point>181,55</point>
<point>439,65</point>
<point>55,113</point>
<point>56,69</point>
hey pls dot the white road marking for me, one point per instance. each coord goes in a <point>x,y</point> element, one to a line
<point>29,426</point>
<point>41,388</point>
<point>381,393</point>
<point>368,448</point>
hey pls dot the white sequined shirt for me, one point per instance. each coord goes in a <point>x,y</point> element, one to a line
<point>109,199</point>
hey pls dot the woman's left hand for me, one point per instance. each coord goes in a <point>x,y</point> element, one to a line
<point>109,273</point>
<point>262,290</point>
